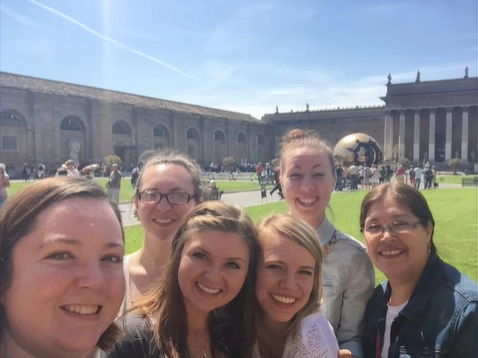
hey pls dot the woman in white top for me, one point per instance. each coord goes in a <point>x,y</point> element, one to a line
<point>4,184</point>
<point>167,190</point>
<point>289,291</point>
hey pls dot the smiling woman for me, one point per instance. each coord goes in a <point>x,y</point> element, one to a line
<point>61,276</point>
<point>203,304</point>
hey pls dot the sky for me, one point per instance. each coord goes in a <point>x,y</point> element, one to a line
<point>247,56</point>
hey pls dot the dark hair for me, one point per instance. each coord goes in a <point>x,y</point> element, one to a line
<point>18,218</point>
<point>298,138</point>
<point>173,158</point>
<point>231,327</point>
<point>404,195</point>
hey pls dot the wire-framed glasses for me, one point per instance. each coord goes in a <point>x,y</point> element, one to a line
<point>398,227</point>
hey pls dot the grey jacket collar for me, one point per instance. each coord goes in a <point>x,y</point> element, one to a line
<point>325,231</point>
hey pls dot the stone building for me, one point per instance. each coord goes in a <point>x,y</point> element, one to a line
<point>433,121</point>
<point>50,122</point>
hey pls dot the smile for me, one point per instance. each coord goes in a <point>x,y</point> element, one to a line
<point>391,252</point>
<point>307,201</point>
<point>206,289</point>
<point>163,221</point>
<point>284,299</point>
<point>84,310</point>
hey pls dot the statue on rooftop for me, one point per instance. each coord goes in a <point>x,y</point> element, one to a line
<point>277,110</point>
<point>418,77</point>
<point>307,107</point>
<point>466,72</point>
<point>389,77</point>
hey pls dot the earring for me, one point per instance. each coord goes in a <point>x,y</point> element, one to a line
<point>429,246</point>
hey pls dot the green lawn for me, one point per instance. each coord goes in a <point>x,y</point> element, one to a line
<point>454,179</point>
<point>454,210</point>
<point>126,192</point>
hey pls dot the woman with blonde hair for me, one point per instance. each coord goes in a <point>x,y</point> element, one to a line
<point>202,306</point>
<point>308,179</point>
<point>61,273</point>
<point>289,291</point>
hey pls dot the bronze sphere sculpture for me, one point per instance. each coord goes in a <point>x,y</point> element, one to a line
<point>358,149</point>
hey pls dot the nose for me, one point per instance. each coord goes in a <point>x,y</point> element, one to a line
<point>163,204</point>
<point>90,275</point>
<point>213,274</point>
<point>387,234</point>
<point>288,281</point>
<point>306,182</point>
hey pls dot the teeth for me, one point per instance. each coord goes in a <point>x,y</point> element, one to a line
<point>164,221</point>
<point>86,310</point>
<point>284,299</point>
<point>391,252</point>
<point>207,289</point>
<point>308,200</point>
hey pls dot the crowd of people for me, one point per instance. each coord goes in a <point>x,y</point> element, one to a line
<point>206,282</point>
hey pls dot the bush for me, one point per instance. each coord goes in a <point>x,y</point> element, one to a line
<point>405,162</point>
<point>454,164</point>
<point>112,159</point>
<point>229,162</point>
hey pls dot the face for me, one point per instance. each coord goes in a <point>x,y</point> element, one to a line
<point>399,256</point>
<point>67,282</point>
<point>307,183</point>
<point>285,277</point>
<point>212,271</point>
<point>161,221</point>
<point>70,167</point>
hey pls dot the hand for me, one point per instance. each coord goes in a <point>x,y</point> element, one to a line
<point>344,353</point>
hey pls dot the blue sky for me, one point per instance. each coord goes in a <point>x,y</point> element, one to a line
<point>241,55</point>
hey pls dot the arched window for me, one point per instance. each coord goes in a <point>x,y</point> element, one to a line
<point>10,119</point>
<point>241,138</point>
<point>261,140</point>
<point>218,135</point>
<point>71,123</point>
<point>121,128</point>
<point>160,131</point>
<point>192,134</point>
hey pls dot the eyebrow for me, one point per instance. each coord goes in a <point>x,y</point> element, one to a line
<point>73,242</point>
<point>298,166</point>
<point>170,191</point>
<point>229,258</point>
<point>396,216</point>
<point>283,263</point>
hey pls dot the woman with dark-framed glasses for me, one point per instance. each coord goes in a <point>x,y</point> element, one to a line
<point>167,190</point>
<point>426,308</point>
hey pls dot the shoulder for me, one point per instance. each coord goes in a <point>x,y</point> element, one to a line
<point>349,242</point>
<point>464,288</point>
<point>316,319</point>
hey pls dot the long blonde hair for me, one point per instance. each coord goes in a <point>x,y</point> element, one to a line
<point>303,234</point>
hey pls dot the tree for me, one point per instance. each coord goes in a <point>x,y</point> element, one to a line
<point>405,163</point>
<point>454,164</point>
<point>229,162</point>
<point>112,159</point>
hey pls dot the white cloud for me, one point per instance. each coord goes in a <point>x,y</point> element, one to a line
<point>19,17</point>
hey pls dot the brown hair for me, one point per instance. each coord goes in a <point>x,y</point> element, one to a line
<point>304,235</point>
<point>298,138</point>
<point>18,218</point>
<point>404,195</point>
<point>173,158</point>
<point>230,327</point>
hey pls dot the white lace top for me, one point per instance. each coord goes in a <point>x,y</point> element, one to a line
<point>315,339</point>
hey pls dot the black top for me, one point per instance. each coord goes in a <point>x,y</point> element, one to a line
<point>135,341</point>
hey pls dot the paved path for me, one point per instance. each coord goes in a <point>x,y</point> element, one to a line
<point>244,199</point>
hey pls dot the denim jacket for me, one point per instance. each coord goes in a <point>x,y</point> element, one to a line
<point>439,320</point>
<point>348,281</point>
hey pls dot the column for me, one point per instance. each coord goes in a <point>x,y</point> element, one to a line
<point>401,135</point>
<point>448,134</point>
<point>431,136</point>
<point>464,134</point>
<point>388,137</point>
<point>416,136</point>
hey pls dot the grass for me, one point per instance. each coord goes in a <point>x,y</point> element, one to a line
<point>454,211</point>
<point>454,179</point>
<point>126,191</point>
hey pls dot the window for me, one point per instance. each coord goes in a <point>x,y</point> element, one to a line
<point>241,138</point>
<point>71,123</point>
<point>9,143</point>
<point>191,150</point>
<point>8,119</point>
<point>160,131</point>
<point>192,134</point>
<point>121,128</point>
<point>260,139</point>
<point>219,136</point>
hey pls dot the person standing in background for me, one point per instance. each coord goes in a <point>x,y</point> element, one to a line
<point>113,185</point>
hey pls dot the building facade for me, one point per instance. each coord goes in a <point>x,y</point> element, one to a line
<point>50,122</point>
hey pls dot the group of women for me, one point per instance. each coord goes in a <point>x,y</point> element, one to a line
<point>207,283</point>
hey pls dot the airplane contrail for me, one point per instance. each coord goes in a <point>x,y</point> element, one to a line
<point>110,40</point>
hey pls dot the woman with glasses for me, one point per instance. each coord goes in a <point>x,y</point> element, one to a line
<point>426,308</point>
<point>167,190</point>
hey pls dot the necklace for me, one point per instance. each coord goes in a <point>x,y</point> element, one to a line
<point>203,349</point>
